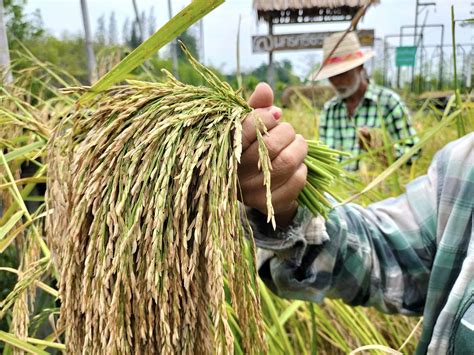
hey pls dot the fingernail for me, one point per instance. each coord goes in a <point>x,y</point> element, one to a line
<point>276,112</point>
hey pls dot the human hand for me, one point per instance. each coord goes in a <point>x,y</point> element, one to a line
<point>364,137</point>
<point>372,139</point>
<point>287,151</point>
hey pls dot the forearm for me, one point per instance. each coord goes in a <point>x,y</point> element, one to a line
<point>362,256</point>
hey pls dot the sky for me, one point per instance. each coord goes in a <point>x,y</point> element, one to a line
<point>220,26</point>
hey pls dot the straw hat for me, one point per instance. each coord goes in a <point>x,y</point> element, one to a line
<point>348,55</point>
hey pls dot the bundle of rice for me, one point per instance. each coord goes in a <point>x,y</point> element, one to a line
<point>324,171</point>
<point>146,229</point>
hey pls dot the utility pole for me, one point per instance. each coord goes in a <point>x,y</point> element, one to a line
<point>420,6</point>
<point>174,53</point>
<point>470,62</point>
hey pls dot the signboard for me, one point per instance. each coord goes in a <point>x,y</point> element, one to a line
<point>293,41</point>
<point>405,56</point>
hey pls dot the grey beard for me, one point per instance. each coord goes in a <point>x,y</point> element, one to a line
<point>349,91</point>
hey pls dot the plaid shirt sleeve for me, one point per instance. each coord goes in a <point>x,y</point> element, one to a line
<point>399,125</point>
<point>410,254</point>
<point>377,256</point>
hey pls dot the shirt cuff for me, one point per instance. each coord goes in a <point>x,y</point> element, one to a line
<point>290,243</point>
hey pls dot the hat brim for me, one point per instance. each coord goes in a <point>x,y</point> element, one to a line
<point>334,69</point>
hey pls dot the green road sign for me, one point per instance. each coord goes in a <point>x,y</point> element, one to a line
<point>405,56</point>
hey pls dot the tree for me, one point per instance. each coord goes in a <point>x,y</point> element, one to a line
<point>126,31</point>
<point>173,44</point>
<point>19,25</point>
<point>135,39</point>
<point>100,32</point>
<point>151,21</point>
<point>138,20</point>
<point>66,53</point>
<point>144,35</point>
<point>112,30</point>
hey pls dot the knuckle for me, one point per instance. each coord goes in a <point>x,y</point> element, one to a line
<point>247,197</point>
<point>272,143</point>
<point>303,144</point>
<point>254,200</point>
<point>281,205</point>
<point>266,117</point>
<point>289,130</point>
<point>300,177</point>
<point>248,131</point>
<point>288,159</point>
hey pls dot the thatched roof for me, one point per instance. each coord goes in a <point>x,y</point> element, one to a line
<point>307,11</point>
<point>272,5</point>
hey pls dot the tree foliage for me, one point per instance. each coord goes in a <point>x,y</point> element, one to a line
<point>21,26</point>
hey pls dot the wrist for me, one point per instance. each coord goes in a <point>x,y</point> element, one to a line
<point>284,218</point>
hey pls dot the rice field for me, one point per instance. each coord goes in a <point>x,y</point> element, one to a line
<point>33,301</point>
<point>120,229</point>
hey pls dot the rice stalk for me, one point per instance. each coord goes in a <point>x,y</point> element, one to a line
<point>24,303</point>
<point>25,282</point>
<point>146,229</point>
<point>324,171</point>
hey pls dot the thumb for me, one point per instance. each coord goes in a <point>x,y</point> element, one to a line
<point>262,96</point>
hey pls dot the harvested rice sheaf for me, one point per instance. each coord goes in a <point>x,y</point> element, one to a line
<point>146,225</point>
<point>146,228</point>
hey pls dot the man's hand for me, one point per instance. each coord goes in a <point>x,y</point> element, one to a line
<point>287,151</point>
<point>364,138</point>
<point>371,139</point>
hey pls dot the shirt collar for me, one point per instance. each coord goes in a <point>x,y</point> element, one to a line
<point>371,93</point>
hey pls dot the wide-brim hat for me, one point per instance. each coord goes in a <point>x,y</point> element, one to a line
<point>348,55</point>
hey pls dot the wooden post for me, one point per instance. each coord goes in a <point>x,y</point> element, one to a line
<point>91,66</point>
<point>271,74</point>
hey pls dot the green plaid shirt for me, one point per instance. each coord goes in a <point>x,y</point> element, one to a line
<point>413,254</point>
<point>339,131</point>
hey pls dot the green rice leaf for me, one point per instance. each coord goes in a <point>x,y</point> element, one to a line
<point>10,224</point>
<point>20,344</point>
<point>20,152</point>
<point>177,25</point>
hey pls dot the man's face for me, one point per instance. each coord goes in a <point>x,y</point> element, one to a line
<point>346,84</point>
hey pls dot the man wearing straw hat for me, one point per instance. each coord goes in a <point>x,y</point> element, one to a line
<point>350,120</point>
